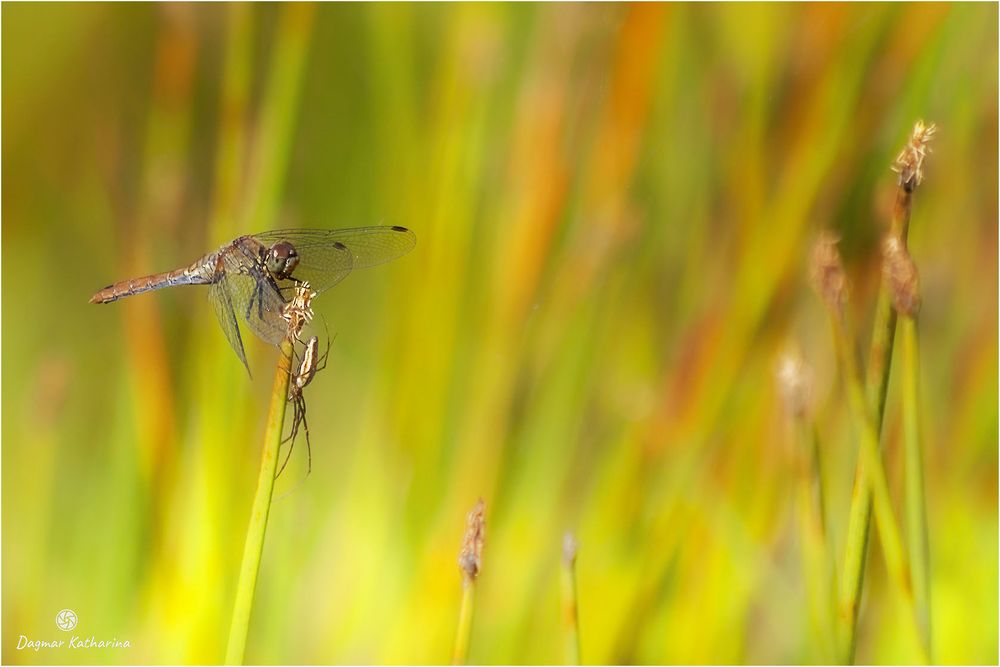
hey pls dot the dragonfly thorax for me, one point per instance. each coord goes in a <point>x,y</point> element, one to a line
<point>282,259</point>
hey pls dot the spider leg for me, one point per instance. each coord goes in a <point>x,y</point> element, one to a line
<point>309,455</point>
<point>288,455</point>
<point>297,417</point>
<point>321,361</point>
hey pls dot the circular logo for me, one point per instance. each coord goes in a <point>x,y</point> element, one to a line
<point>66,620</point>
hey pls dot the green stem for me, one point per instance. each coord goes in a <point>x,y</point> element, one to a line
<point>916,503</point>
<point>879,365</point>
<point>876,481</point>
<point>254,544</point>
<point>571,615</point>
<point>821,581</point>
<point>461,653</point>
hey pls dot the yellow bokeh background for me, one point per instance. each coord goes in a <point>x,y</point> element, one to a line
<point>614,206</point>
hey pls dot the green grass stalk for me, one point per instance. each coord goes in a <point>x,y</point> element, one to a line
<point>909,165</point>
<point>571,616</point>
<point>901,278</point>
<point>885,520</point>
<point>879,364</point>
<point>831,283</point>
<point>794,383</point>
<point>254,545</point>
<point>821,581</point>
<point>915,500</point>
<point>464,633</point>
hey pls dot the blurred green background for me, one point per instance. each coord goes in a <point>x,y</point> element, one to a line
<point>614,206</point>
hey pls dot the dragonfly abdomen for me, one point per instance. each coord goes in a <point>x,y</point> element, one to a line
<point>121,289</point>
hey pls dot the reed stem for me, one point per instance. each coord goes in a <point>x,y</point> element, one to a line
<point>879,365</point>
<point>795,384</point>
<point>915,499</point>
<point>461,653</point>
<point>830,282</point>
<point>909,165</point>
<point>821,581</point>
<point>885,520</point>
<point>254,545</point>
<point>571,617</point>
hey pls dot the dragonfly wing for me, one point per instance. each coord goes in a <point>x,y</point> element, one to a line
<point>263,314</point>
<point>223,306</point>
<point>255,298</point>
<point>328,255</point>
<point>322,265</point>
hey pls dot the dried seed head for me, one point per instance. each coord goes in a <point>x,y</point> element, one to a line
<point>470,558</point>
<point>794,383</point>
<point>570,545</point>
<point>910,161</point>
<point>827,272</point>
<point>900,273</point>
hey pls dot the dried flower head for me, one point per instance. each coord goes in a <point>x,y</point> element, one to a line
<point>827,272</point>
<point>900,273</point>
<point>470,558</point>
<point>298,311</point>
<point>570,545</point>
<point>794,383</point>
<point>910,161</point>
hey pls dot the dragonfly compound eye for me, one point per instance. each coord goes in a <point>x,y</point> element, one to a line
<point>282,259</point>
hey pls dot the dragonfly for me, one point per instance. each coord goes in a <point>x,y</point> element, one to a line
<point>253,277</point>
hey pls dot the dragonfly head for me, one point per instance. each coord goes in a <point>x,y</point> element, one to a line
<point>282,259</point>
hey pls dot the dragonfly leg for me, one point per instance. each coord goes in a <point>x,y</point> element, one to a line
<point>253,297</point>
<point>256,297</point>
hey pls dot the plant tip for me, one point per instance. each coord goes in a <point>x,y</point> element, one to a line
<point>794,383</point>
<point>470,558</point>
<point>827,272</point>
<point>910,161</point>
<point>569,548</point>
